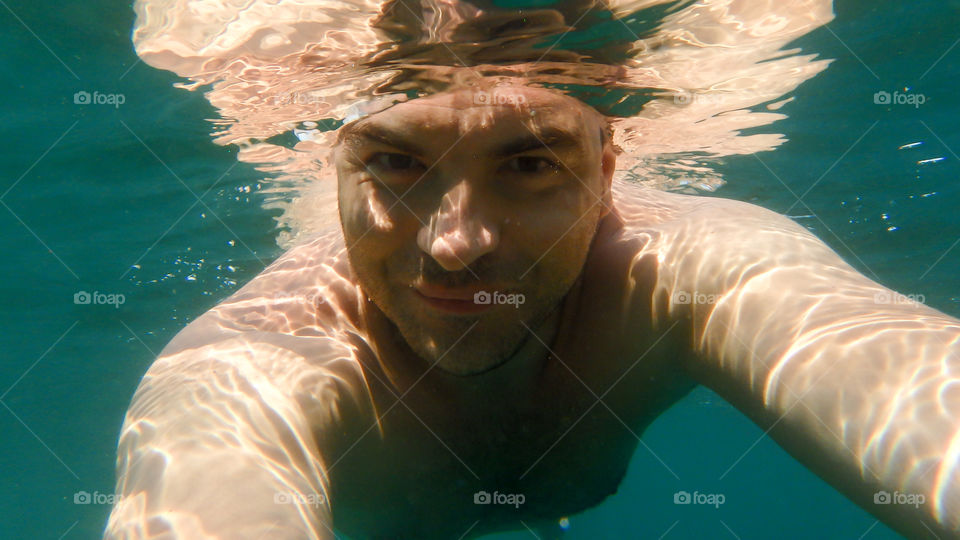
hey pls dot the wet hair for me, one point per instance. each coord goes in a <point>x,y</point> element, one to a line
<point>606,136</point>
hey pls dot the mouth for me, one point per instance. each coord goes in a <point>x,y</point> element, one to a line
<point>455,300</point>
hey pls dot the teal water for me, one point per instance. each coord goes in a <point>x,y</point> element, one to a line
<point>103,198</point>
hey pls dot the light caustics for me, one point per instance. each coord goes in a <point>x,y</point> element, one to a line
<point>681,80</point>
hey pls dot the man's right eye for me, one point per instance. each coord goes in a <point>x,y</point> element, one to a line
<point>390,161</point>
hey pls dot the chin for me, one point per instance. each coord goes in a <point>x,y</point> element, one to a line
<point>460,354</point>
<point>466,347</point>
<point>467,367</point>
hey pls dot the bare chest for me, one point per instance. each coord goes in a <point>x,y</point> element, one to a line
<point>425,473</point>
<point>428,471</point>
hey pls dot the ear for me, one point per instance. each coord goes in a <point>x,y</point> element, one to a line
<point>608,164</point>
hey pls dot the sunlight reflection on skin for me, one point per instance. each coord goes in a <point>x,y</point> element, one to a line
<point>280,332</point>
<point>297,387</point>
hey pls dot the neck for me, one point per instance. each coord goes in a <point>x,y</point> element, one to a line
<point>512,380</point>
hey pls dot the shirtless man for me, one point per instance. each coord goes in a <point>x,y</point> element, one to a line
<point>497,313</point>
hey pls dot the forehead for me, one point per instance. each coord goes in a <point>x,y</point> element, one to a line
<point>502,109</point>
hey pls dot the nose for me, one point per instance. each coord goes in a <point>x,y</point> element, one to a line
<point>460,231</point>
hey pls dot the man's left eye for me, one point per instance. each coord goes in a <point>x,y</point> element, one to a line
<point>531,164</point>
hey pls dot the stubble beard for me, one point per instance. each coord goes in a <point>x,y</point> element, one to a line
<point>467,346</point>
<point>472,345</point>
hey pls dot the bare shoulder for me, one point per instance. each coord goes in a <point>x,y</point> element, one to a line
<point>689,233</point>
<point>307,292</point>
<point>642,207</point>
<point>691,255</point>
<point>293,327</point>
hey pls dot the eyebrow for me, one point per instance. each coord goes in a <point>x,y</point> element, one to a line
<point>550,137</point>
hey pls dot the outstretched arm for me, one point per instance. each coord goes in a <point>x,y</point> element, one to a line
<point>860,384</point>
<point>216,445</point>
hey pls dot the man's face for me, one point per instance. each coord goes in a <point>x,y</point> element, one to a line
<point>447,203</point>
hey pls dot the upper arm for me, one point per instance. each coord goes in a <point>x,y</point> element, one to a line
<point>756,286</point>
<point>855,382</point>
<point>218,443</point>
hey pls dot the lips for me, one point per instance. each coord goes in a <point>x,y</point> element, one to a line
<point>453,300</point>
<point>449,293</point>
